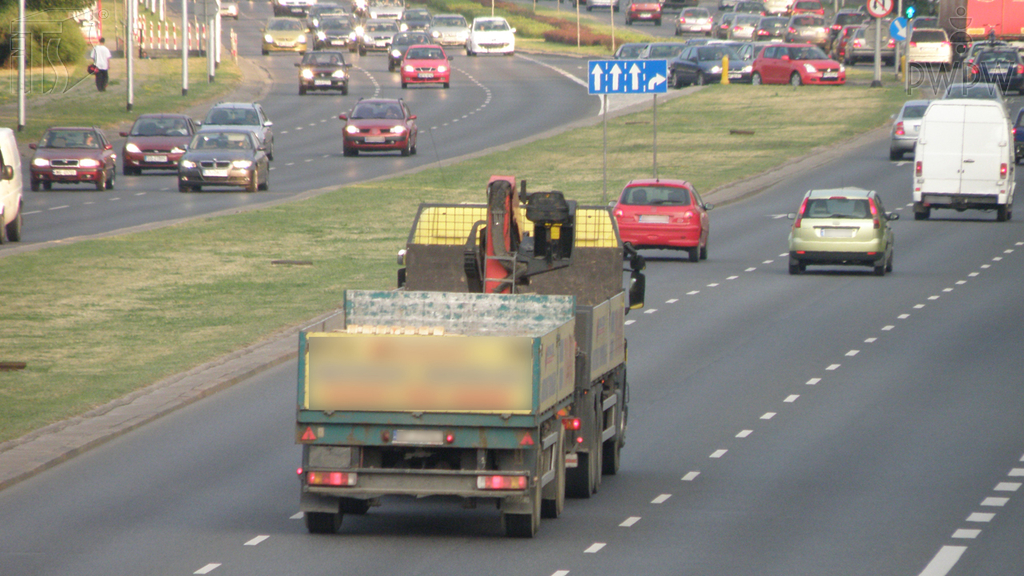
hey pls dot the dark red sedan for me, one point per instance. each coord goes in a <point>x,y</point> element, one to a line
<point>666,214</point>
<point>156,142</point>
<point>379,124</point>
<point>73,155</point>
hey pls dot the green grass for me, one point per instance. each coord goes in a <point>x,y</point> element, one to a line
<point>97,319</point>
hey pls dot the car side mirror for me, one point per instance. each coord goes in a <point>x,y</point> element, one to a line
<point>342,116</point>
<point>268,123</point>
<point>791,216</point>
<point>108,146</point>
<point>347,65</point>
<point>33,146</point>
<point>298,64</point>
<point>198,124</point>
<point>637,289</point>
<point>123,134</point>
<point>892,216</point>
<point>7,173</point>
<point>709,206</point>
<point>412,117</point>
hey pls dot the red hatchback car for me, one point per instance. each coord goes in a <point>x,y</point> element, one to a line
<point>807,7</point>
<point>424,63</point>
<point>71,156</point>
<point>156,142</point>
<point>666,214</point>
<point>379,124</point>
<point>641,11</point>
<point>796,64</point>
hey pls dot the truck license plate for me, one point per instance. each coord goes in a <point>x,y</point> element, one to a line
<point>60,172</point>
<point>215,173</point>
<point>418,437</point>
<point>155,158</point>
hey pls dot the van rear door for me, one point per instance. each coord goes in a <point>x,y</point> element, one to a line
<point>985,146</point>
<point>940,149</point>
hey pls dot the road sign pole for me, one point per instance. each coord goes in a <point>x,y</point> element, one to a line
<point>655,122</point>
<point>877,81</point>
<point>604,166</point>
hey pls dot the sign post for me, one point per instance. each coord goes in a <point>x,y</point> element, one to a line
<point>878,9</point>
<point>627,77</point>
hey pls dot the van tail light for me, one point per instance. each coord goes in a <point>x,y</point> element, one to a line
<point>913,44</point>
<point>945,44</point>
<point>800,214</point>
<point>1003,170</point>
<point>917,168</point>
<point>899,129</point>
<point>874,214</point>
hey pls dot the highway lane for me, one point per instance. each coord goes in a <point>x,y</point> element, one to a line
<point>834,423</point>
<point>486,92</point>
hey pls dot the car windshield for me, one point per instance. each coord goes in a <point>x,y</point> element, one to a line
<point>806,53</point>
<point>424,54</point>
<point>928,36</point>
<point>716,53</point>
<point>382,27</point>
<point>655,196</point>
<point>232,117</point>
<point>416,15</point>
<point>916,111</point>
<point>665,51</point>
<point>408,39</point>
<point>450,21</point>
<point>844,19</point>
<point>385,3</point>
<point>286,25</point>
<point>746,20</point>
<point>1001,57</point>
<point>377,110</point>
<point>696,13</point>
<point>160,127</point>
<point>808,5</point>
<point>336,24</point>
<point>221,141</point>
<point>772,23</point>
<point>631,50</point>
<point>70,139</point>
<point>323,59</point>
<point>749,7</point>
<point>837,208</point>
<point>808,21</point>
<point>491,26</point>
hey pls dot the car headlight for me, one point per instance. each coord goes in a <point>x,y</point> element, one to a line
<point>351,129</point>
<point>359,30</point>
<point>747,69</point>
<point>268,38</point>
<point>131,147</point>
<point>716,69</point>
<point>404,27</point>
<point>810,69</point>
<point>397,129</point>
<point>316,22</point>
<point>301,39</point>
<point>368,38</point>
<point>40,162</point>
<point>187,164</point>
<point>321,36</point>
<point>442,68</point>
<point>88,163</point>
<point>242,164</point>
<point>354,37</point>
<point>177,150</point>
<point>373,14</point>
<point>338,74</point>
<point>409,69</point>
<point>435,33</point>
<point>307,73</point>
<point>396,53</point>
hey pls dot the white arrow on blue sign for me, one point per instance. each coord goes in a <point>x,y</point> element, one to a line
<point>627,76</point>
<point>898,29</point>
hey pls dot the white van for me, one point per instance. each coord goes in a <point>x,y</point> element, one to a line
<point>10,187</point>
<point>964,158</point>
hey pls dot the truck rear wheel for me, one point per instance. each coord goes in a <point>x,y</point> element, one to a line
<point>323,522</point>
<point>523,525</point>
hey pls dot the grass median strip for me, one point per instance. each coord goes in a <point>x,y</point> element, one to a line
<point>97,319</point>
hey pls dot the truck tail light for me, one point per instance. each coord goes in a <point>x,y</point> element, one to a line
<point>1003,170</point>
<point>899,128</point>
<point>331,478</point>
<point>917,168</point>
<point>571,423</point>
<point>501,482</point>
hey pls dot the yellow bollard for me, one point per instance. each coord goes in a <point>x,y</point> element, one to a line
<point>725,69</point>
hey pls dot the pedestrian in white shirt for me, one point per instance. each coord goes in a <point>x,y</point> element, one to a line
<point>100,55</point>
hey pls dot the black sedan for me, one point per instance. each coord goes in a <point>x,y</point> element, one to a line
<point>1002,66</point>
<point>335,34</point>
<point>323,71</point>
<point>224,157</point>
<point>703,65</point>
<point>401,43</point>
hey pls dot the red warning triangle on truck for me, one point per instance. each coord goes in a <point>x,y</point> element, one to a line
<point>308,435</point>
<point>527,440</point>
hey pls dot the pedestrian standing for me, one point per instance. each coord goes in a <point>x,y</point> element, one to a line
<point>100,55</point>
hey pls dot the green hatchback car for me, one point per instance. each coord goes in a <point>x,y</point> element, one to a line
<point>844,227</point>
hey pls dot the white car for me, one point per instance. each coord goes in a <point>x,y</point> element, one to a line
<point>491,35</point>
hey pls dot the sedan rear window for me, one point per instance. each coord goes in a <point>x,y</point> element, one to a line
<point>655,196</point>
<point>928,36</point>
<point>837,208</point>
<point>911,112</point>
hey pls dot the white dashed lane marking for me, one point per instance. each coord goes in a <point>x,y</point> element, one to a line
<point>791,398</point>
<point>965,533</point>
<point>718,453</point>
<point>255,541</point>
<point>767,415</point>
<point>691,476</point>
<point>980,517</point>
<point>996,502</point>
<point>744,433</point>
<point>944,561</point>
<point>207,569</point>
<point>661,499</point>
<point>629,521</point>
<point>594,548</point>
<point>813,381</point>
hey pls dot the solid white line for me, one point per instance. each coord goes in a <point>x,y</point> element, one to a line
<point>981,517</point>
<point>718,453</point>
<point>207,569</point>
<point>255,541</point>
<point>630,521</point>
<point>833,366</point>
<point>791,398</point>
<point>594,548</point>
<point>994,501</point>
<point>813,381</point>
<point>767,415</point>
<point>297,516</point>
<point>944,561</point>
<point>1007,487</point>
<point>690,476</point>
<point>661,499</point>
<point>744,433</point>
<point>966,534</point>
<point>1016,472</point>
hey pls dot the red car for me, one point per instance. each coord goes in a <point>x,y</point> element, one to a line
<point>156,141</point>
<point>643,12</point>
<point>796,64</point>
<point>807,7</point>
<point>423,64</point>
<point>666,214</point>
<point>71,156</point>
<point>379,124</point>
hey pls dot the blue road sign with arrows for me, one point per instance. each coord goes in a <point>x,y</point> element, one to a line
<point>627,76</point>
